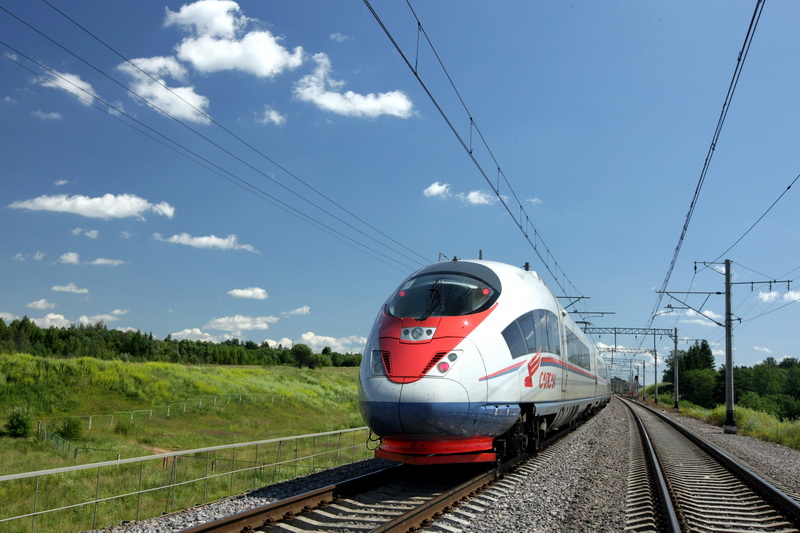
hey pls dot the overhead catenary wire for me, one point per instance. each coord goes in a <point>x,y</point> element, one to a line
<point>206,163</point>
<point>380,242</point>
<point>740,61</point>
<point>235,136</point>
<point>759,219</point>
<point>522,221</point>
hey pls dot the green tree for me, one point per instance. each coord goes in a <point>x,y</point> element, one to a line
<point>304,356</point>
<point>20,423</point>
<point>697,386</point>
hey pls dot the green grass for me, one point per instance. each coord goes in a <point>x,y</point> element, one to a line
<point>756,424</point>
<point>192,406</point>
<point>175,407</point>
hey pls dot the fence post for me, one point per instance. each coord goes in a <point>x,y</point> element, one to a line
<point>96,498</point>
<point>35,504</point>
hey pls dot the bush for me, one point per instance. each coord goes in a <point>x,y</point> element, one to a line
<point>71,429</point>
<point>20,423</point>
<point>124,427</point>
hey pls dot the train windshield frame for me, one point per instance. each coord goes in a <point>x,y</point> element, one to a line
<point>440,294</point>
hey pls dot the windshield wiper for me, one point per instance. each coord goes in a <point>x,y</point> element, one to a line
<point>434,300</point>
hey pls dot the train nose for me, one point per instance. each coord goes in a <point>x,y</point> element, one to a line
<point>426,408</point>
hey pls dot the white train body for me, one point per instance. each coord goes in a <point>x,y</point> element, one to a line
<point>467,358</point>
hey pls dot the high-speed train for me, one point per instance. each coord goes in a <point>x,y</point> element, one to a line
<point>472,361</point>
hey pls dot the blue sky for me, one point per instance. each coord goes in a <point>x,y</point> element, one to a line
<point>304,172</point>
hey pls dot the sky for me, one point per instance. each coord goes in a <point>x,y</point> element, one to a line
<point>271,171</point>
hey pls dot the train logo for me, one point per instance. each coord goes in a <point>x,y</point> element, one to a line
<point>533,366</point>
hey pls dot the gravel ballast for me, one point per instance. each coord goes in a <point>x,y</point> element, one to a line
<point>582,488</point>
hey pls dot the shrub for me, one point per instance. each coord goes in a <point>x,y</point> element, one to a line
<point>71,429</point>
<point>20,423</point>
<point>124,427</point>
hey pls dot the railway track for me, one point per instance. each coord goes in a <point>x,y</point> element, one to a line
<point>397,499</point>
<point>680,482</point>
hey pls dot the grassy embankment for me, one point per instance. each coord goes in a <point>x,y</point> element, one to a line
<point>751,423</point>
<point>208,405</point>
<point>192,407</point>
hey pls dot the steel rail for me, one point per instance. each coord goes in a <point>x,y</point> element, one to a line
<point>421,514</point>
<point>788,505</point>
<point>780,501</point>
<point>669,517</point>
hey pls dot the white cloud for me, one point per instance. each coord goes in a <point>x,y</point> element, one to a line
<point>535,201</point>
<point>60,183</point>
<point>762,349</point>
<point>87,320</point>
<point>304,310</point>
<point>51,319</point>
<point>41,305</point>
<point>477,198</point>
<point>437,189</point>
<point>105,207</point>
<point>701,320</point>
<point>340,37</point>
<point>215,44</point>
<point>240,323</point>
<point>255,293</point>
<point>178,102</point>
<point>791,296</point>
<point>768,297</point>
<point>320,89</point>
<point>231,242</point>
<point>101,261</point>
<point>71,287</point>
<point>38,256</point>
<point>47,116</point>
<point>92,234</point>
<point>71,83</point>
<point>194,334</point>
<point>70,258</point>
<point>8,317</point>
<point>216,18</point>
<point>351,344</point>
<point>286,342</point>
<point>271,116</point>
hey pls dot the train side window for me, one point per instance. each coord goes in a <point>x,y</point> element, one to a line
<point>577,351</point>
<point>515,340</point>
<point>529,334</point>
<point>546,324</point>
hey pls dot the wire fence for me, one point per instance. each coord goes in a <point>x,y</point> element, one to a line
<point>177,408</point>
<point>102,494</point>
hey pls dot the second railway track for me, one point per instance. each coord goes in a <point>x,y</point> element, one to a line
<point>707,490</point>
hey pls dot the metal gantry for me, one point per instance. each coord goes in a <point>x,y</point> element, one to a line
<point>655,332</point>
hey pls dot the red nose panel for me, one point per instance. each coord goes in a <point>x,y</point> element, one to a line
<point>407,361</point>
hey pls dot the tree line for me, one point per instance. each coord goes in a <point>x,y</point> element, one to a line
<point>770,386</point>
<point>96,340</point>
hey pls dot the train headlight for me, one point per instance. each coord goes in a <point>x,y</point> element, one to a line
<point>376,363</point>
<point>446,362</point>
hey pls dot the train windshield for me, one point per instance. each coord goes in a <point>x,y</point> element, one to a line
<point>442,294</point>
